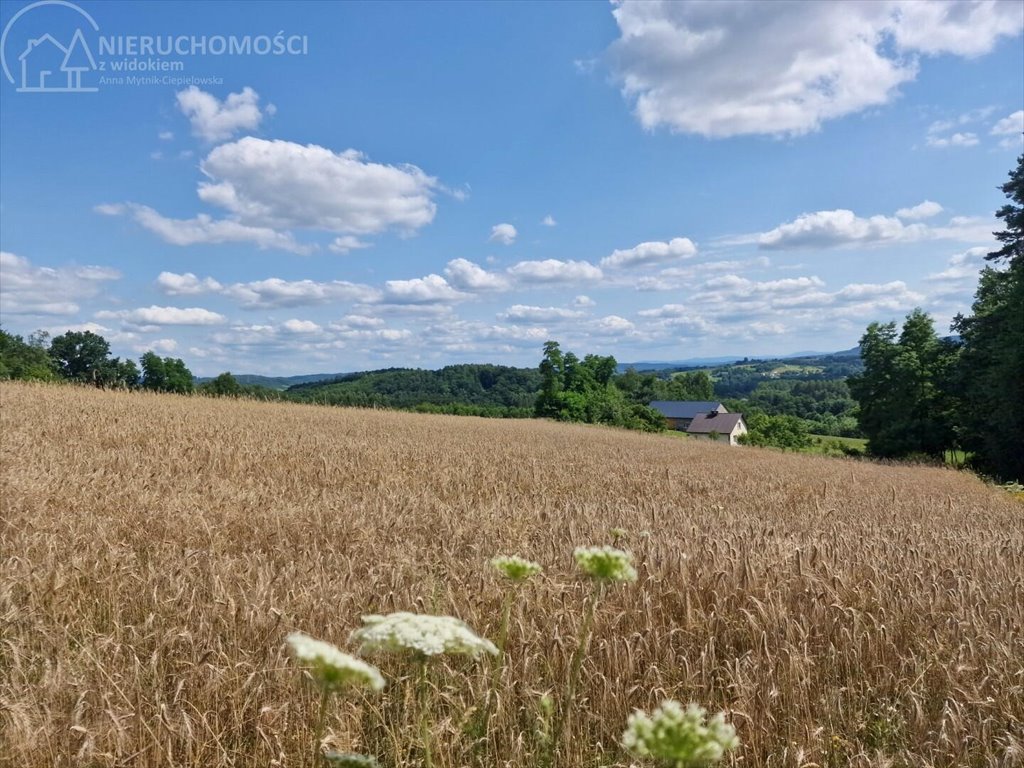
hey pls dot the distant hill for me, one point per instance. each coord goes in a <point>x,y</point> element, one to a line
<point>665,365</point>
<point>706,362</point>
<point>275,382</point>
<point>486,390</point>
<point>286,382</point>
<point>829,364</point>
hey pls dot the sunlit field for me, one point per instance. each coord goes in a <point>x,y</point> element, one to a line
<point>156,550</point>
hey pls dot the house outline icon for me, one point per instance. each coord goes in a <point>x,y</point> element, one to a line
<point>77,58</point>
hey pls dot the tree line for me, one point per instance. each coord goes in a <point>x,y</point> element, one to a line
<point>921,395</point>
<point>84,357</point>
<point>563,387</point>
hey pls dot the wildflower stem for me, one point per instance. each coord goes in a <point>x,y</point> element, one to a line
<point>506,618</point>
<point>499,664</point>
<point>575,668</point>
<point>423,702</point>
<point>321,721</point>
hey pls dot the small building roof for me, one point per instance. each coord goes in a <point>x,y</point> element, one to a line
<point>686,409</point>
<point>722,423</point>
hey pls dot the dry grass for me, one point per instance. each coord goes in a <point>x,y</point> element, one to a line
<point>155,551</point>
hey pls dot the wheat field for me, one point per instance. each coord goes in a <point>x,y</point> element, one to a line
<point>157,549</point>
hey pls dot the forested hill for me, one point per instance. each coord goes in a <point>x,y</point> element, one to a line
<point>812,389</point>
<point>486,390</point>
<point>741,378</point>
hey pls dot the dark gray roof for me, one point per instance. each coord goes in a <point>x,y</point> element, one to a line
<point>685,409</point>
<point>722,423</point>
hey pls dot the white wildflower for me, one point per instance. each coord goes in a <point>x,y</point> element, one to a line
<point>679,738</point>
<point>515,568</point>
<point>421,634</point>
<point>331,667</point>
<point>605,563</point>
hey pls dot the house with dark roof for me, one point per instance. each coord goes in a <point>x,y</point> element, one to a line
<point>715,425</point>
<point>702,418</point>
<point>679,413</point>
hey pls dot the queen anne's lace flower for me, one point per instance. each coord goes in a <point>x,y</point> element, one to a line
<point>679,738</point>
<point>515,568</point>
<point>421,634</point>
<point>332,668</point>
<point>605,563</point>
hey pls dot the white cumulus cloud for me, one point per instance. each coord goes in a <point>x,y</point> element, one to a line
<point>205,229</point>
<point>216,120</point>
<point>26,289</point>
<point>1011,128</point>
<point>830,228</point>
<point>649,253</point>
<point>842,227</point>
<point>610,325</point>
<point>924,210</point>
<point>300,326</point>
<point>280,184</point>
<point>731,68</point>
<point>503,233</point>
<point>432,289</point>
<point>163,346</point>
<point>276,292</point>
<point>154,315</point>
<point>520,313</point>
<point>1010,125</point>
<point>555,271</point>
<point>962,267</point>
<point>268,188</point>
<point>958,139</point>
<point>346,244</point>
<point>468,276</point>
<point>186,284</point>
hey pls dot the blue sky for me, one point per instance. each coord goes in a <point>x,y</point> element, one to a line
<point>427,183</point>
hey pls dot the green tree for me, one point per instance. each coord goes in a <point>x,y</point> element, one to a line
<point>696,385</point>
<point>81,356</point>
<point>639,388</point>
<point>224,385</point>
<point>153,375</point>
<point>786,432</point>
<point>25,360</point>
<point>167,374</point>
<point>123,374</point>
<point>551,374</point>
<point>587,390</point>
<point>991,366</point>
<point>874,389</point>
<point>905,405</point>
<point>179,377</point>
<point>926,403</point>
<point>1012,215</point>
